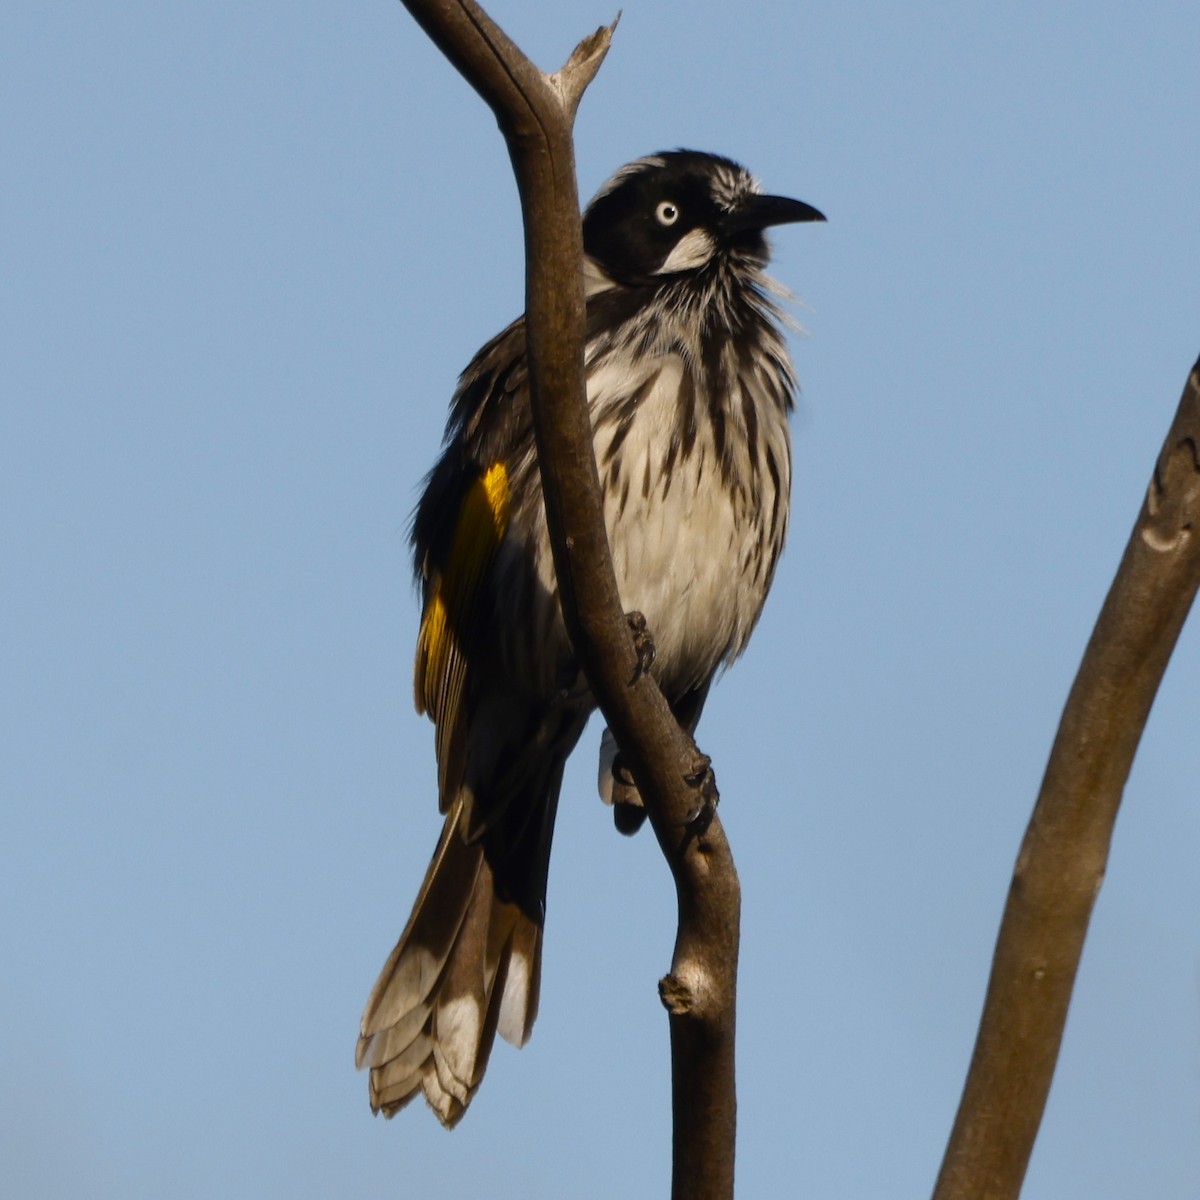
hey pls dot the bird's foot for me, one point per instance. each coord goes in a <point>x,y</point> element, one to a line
<point>704,781</point>
<point>643,645</point>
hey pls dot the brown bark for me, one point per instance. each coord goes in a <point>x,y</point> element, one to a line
<point>1062,859</point>
<point>536,113</point>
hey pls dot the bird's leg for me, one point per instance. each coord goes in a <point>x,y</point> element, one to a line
<point>628,811</point>
<point>643,645</point>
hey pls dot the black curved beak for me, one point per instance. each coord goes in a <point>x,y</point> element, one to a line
<point>759,212</point>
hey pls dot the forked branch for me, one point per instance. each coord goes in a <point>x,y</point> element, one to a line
<point>536,113</point>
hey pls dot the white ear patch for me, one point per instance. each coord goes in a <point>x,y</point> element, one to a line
<point>692,250</point>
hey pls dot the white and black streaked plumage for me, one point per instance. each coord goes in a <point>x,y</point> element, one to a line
<point>690,387</point>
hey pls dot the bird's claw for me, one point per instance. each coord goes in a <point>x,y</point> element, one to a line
<point>643,645</point>
<point>702,778</point>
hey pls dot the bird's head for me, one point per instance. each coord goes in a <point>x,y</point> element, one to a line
<point>680,212</point>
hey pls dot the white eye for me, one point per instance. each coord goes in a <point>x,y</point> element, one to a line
<point>666,213</point>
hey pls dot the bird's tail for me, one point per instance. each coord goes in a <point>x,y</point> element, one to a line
<point>467,967</point>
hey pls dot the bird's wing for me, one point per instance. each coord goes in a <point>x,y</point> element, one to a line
<point>451,597</point>
<point>458,527</point>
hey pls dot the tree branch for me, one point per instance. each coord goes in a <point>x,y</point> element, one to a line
<point>1062,859</point>
<point>536,112</point>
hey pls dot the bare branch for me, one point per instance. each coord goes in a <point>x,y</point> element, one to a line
<point>535,113</point>
<point>1062,859</point>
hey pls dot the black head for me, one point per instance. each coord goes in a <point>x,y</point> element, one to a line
<point>678,212</point>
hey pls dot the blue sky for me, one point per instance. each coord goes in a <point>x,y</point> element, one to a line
<point>245,249</point>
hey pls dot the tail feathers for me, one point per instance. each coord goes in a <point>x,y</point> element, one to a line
<point>466,967</point>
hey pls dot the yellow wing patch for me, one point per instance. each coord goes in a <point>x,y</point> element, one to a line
<point>440,666</point>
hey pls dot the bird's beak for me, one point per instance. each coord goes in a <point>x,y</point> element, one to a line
<point>759,212</point>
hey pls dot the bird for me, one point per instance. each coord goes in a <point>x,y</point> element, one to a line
<point>689,388</point>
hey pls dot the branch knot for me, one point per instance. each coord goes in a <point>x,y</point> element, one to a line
<point>1173,498</point>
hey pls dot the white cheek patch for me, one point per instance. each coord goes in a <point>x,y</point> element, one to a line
<point>692,250</point>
